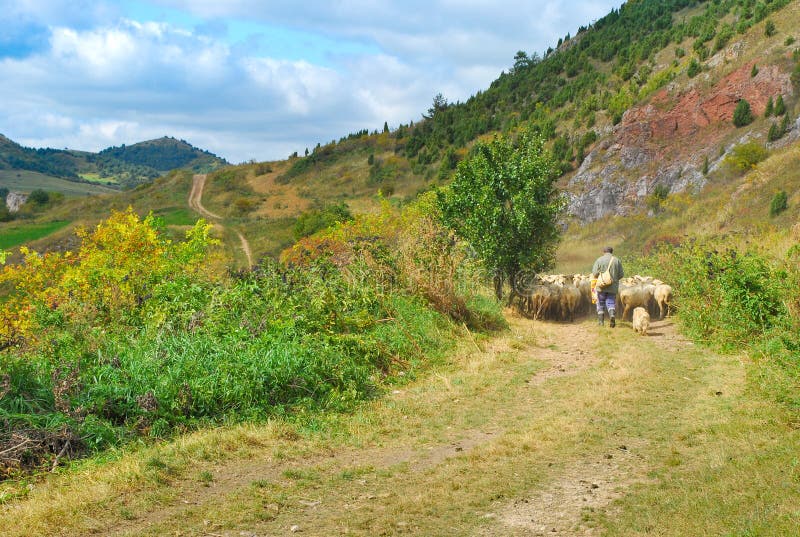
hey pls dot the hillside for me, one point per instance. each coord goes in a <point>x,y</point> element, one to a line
<point>165,154</point>
<point>636,107</point>
<point>114,167</point>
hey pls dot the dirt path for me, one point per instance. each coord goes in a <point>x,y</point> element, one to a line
<point>196,204</point>
<point>551,429</point>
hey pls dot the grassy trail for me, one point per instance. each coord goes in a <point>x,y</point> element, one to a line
<point>196,204</point>
<point>549,429</point>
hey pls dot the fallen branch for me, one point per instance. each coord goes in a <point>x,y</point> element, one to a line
<point>60,454</point>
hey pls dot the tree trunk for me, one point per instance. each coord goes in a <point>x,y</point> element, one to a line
<point>512,278</point>
<point>498,286</point>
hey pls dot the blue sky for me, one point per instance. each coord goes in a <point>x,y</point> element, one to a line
<point>250,79</point>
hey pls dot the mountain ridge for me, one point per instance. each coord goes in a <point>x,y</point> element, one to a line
<point>121,166</point>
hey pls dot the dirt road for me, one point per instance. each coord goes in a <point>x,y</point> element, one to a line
<point>549,429</point>
<point>196,204</point>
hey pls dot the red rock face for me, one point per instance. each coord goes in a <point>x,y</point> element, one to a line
<point>689,114</point>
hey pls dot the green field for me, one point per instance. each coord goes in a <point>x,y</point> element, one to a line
<point>95,178</point>
<point>172,216</point>
<point>25,181</point>
<point>15,234</point>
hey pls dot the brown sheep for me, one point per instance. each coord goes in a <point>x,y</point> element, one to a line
<point>570,299</point>
<point>541,300</point>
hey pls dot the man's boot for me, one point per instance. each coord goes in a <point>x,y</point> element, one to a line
<point>600,317</point>
<point>612,324</point>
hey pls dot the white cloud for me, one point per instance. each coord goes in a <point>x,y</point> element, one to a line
<point>107,80</point>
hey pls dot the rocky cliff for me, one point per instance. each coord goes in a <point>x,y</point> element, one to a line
<point>666,140</point>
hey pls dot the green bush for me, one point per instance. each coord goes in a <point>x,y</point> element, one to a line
<point>315,220</point>
<point>694,68</point>
<point>38,197</point>
<point>770,109</point>
<point>778,204</point>
<point>190,350</point>
<point>746,156</point>
<point>727,299</point>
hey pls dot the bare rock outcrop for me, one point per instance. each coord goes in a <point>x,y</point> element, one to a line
<point>665,141</point>
<point>15,200</point>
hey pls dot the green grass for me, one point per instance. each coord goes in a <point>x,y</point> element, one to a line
<point>459,450</point>
<point>15,234</point>
<point>172,216</point>
<point>95,178</point>
<point>26,181</point>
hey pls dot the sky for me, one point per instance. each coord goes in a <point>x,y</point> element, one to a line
<point>249,79</point>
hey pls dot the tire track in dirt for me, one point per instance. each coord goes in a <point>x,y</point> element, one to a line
<point>196,204</point>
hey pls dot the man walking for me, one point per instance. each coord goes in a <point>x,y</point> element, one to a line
<point>607,294</point>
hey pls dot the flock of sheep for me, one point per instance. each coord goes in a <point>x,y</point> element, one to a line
<point>562,297</point>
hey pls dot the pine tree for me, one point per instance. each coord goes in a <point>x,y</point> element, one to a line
<point>774,133</point>
<point>780,107</point>
<point>742,115</point>
<point>770,108</point>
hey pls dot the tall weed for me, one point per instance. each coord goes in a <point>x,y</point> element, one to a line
<point>739,301</point>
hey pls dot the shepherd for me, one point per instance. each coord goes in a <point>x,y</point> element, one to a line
<point>608,272</point>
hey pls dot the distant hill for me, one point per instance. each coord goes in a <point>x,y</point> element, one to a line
<point>165,154</point>
<point>116,167</point>
<point>53,162</point>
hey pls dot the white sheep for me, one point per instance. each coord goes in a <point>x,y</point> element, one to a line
<point>641,320</point>
<point>663,296</point>
<point>635,296</point>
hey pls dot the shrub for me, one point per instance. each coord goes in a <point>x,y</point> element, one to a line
<point>694,68</point>
<point>263,168</point>
<point>38,197</point>
<point>778,203</point>
<point>726,299</point>
<point>654,200</point>
<point>769,28</point>
<point>243,205</point>
<point>754,71</point>
<point>742,115</point>
<point>746,156</point>
<point>315,220</point>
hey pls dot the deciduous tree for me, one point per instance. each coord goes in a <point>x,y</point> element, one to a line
<point>504,203</point>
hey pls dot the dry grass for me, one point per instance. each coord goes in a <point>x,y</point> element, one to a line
<point>542,415</point>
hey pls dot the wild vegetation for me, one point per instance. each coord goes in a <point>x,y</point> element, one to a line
<point>140,331</point>
<point>132,335</point>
